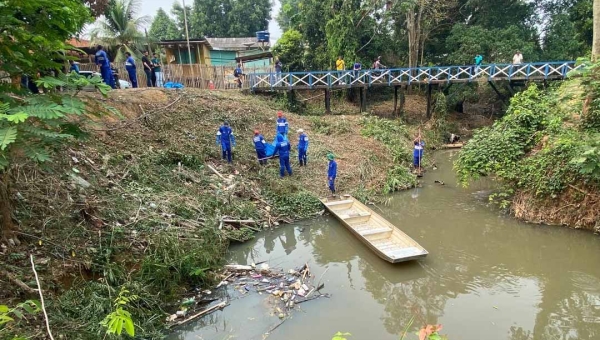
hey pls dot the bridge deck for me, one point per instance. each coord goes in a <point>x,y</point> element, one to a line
<point>409,76</point>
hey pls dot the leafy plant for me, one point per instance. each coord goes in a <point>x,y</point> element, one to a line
<point>13,315</point>
<point>120,319</point>
<point>340,336</point>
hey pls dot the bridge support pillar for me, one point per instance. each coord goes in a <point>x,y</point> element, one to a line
<point>363,99</point>
<point>327,101</point>
<point>402,100</point>
<point>395,101</point>
<point>429,108</point>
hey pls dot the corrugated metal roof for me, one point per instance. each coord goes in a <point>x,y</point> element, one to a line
<point>236,44</point>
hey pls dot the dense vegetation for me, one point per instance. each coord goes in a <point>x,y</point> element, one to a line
<point>546,150</point>
<point>426,32</point>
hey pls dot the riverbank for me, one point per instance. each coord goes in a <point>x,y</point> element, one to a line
<point>143,201</point>
<point>545,152</point>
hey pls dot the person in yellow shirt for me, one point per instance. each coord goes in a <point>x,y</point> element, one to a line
<point>340,66</point>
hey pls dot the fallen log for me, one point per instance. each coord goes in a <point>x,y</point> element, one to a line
<point>215,171</point>
<point>204,312</point>
<point>18,282</point>
<point>238,267</point>
<point>250,221</point>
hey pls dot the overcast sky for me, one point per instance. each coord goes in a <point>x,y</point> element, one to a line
<point>149,7</point>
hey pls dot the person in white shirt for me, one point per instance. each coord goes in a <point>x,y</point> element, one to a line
<point>518,58</point>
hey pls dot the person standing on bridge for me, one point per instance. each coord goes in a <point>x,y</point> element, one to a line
<point>282,125</point>
<point>261,147</point>
<point>278,67</point>
<point>478,61</point>
<point>356,68</point>
<point>331,173</point>
<point>340,66</point>
<point>518,58</point>
<point>302,147</point>
<point>226,139</point>
<point>283,147</point>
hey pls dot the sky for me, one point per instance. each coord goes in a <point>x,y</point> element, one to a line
<point>149,7</point>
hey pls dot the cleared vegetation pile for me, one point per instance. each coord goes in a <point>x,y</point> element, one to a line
<point>546,151</point>
<point>136,204</point>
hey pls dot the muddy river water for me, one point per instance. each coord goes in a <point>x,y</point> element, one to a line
<point>487,275</point>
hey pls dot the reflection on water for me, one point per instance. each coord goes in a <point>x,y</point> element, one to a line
<point>487,275</point>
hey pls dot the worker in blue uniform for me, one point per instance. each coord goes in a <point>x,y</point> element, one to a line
<point>104,64</point>
<point>331,173</point>
<point>302,147</point>
<point>418,152</point>
<point>261,147</point>
<point>283,147</point>
<point>131,70</point>
<point>282,125</point>
<point>226,139</point>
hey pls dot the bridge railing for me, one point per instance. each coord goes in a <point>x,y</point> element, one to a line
<point>407,76</point>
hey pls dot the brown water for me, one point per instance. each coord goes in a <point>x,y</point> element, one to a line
<point>487,275</point>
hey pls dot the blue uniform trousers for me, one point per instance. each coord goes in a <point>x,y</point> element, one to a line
<point>284,164</point>
<point>302,157</point>
<point>332,184</point>
<point>226,152</point>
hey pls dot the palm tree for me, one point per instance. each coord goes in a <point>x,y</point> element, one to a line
<point>120,30</point>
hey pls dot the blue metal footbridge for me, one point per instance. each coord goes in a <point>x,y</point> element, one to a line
<point>404,77</point>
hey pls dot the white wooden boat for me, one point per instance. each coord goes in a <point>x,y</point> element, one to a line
<point>387,241</point>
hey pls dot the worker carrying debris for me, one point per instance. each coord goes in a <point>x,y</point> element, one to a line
<point>283,147</point>
<point>261,147</point>
<point>331,173</point>
<point>302,147</point>
<point>226,139</point>
<point>282,124</point>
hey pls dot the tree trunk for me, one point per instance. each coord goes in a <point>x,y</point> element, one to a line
<point>7,227</point>
<point>596,39</point>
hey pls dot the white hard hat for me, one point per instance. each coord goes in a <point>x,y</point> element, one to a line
<point>300,130</point>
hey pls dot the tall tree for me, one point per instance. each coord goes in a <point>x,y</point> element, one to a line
<point>596,41</point>
<point>120,27</point>
<point>230,18</point>
<point>31,126</point>
<point>163,27</point>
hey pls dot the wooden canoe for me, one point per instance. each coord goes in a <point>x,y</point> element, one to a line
<point>452,146</point>
<point>387,241</point>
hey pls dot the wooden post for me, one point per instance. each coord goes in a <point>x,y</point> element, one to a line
<point>327,101</point>
<point>429,101</point>
<point>363,99</point>
<point>395,101</point>
<point>402,102</point>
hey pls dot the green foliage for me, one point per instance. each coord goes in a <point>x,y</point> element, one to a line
<point>340,336</point>
<point>26,28</point>
<point>163,27</point>
<point>34,125</point>
<point>120,29</point>
<point>224,18</point>
<point>498,149</point>
<point>171,262</point>
<point>120,319</point>
<point>13,315</point>
<point>290,50</point>
<point>394,136</point>
<point>293,202</point>
<point>590,79</point>
<point>330,127</point>
<point>533,149</point>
